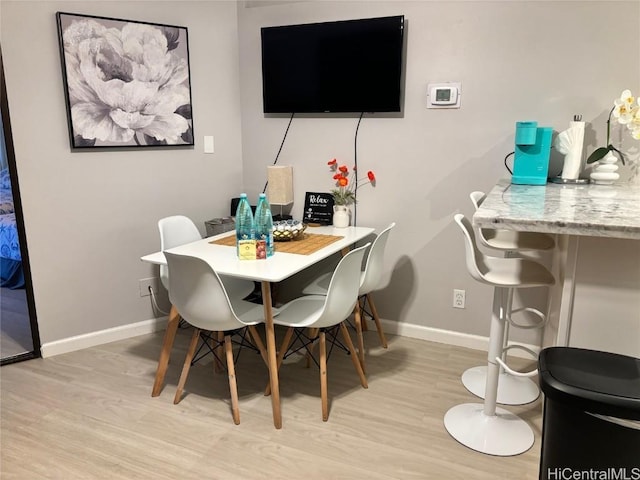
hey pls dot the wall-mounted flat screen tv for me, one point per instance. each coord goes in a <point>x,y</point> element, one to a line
<point>344,66</point>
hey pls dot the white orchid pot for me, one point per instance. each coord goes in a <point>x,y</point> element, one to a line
<point>341,216</point>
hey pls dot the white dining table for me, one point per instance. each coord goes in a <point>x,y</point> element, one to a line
<point>275,269</point>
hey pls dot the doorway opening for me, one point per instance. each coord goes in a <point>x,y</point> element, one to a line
<point>19,337</point>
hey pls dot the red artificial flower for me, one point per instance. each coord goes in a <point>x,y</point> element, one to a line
<point>344,193</point>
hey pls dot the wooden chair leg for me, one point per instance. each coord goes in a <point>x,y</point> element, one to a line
<point>359,323</point>
<point>285,346</point>
<point>233,387</point>
<point>313,333</point>
<point>281,353</point>
<point>323,377</point>
<point>257,341</point>
<point>165,353</point>
<point>376,318</point>
<point>187,365</point>
<point>365,327</point>
<point>354,359</point>
<point>218,367</point>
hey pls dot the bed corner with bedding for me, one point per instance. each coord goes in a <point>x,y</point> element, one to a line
<point>11,272</point>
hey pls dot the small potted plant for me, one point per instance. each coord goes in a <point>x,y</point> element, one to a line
<point>626,111</point>
<point>344,193</point>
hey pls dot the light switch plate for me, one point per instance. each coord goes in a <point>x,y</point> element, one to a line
<point>208,144</point>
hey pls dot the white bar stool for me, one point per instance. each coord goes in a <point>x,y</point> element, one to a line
<point>485,427</point>
<point>512,389</point>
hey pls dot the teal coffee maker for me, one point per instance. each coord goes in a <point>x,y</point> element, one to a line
<point>531,159</point>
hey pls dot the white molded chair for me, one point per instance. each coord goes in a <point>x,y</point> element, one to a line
<point>178,230</point>
<point>326,313</point>
<point>175,231</point>
<point>512,390</point>
<point>199,296</point>
<point>485,427</point>
<point>371,279</point>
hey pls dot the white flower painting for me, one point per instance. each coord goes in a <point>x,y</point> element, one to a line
<point>127,82</point>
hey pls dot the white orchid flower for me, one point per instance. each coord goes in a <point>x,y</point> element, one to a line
<point>626,110</point>
<point>623,107</point>
<point>634,124</point>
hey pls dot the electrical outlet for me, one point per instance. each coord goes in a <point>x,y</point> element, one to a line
<point>145,283</point>
<point>458,298</point>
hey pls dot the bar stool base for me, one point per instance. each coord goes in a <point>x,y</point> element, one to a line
<point>511,390</point>
<point>503,434</point>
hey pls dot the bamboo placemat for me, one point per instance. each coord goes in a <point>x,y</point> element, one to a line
<point>308,244</point>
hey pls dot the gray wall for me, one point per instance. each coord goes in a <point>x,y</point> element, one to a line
<point>517,60</point>
<point>90,216</point>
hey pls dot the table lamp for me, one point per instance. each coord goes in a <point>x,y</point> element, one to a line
<point>280,187</point>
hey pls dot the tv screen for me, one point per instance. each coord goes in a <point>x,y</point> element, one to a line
<point>345,66</point>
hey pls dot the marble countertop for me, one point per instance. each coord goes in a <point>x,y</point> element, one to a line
<point>592,210</point>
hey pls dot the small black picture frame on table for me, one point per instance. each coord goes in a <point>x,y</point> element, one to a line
<point>318,208</point>
<point>126,82</point>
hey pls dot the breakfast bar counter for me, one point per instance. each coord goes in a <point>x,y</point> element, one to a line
<point>593,210</point>
<point>570,212</point>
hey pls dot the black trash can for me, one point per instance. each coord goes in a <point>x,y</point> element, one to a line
<point>591,422</point>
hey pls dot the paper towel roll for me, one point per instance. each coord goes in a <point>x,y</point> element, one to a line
<point>570,143</point>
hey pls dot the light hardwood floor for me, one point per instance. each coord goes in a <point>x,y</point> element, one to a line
<point>89,415</point>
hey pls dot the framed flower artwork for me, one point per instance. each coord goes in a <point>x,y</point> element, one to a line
<point>126,82</point>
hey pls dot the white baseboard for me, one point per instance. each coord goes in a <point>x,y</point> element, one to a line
<point>449,337</point>
<point>101,337</point>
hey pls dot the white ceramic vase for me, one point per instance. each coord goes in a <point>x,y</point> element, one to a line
<point>606,171</point>
<point>341,216</point>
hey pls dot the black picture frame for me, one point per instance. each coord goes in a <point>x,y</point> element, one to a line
<point>318,208</point>
<point>127,83</point>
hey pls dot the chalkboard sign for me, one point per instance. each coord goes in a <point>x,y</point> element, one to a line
<point>318,208</point>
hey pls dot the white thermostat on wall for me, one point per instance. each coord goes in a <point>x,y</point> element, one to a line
<point>443,95</point>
